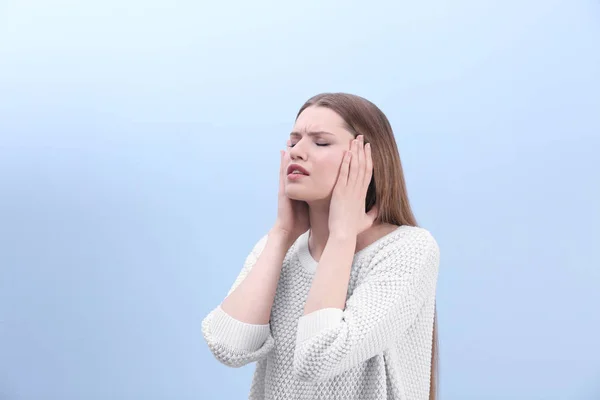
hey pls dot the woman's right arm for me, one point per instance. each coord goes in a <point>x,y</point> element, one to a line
<point>238,331</point>
<point>252,300</point>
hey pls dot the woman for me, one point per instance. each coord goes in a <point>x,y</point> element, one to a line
<point>337,300</point>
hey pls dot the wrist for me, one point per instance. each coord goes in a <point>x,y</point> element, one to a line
<point>282,236</point>
<point>342,238</point>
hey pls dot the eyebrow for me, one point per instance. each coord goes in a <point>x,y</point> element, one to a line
<point>312,133</point>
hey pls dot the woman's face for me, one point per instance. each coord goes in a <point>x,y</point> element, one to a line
<point>318,141</point>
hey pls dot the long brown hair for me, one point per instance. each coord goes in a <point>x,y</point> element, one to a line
<point>388,186</point>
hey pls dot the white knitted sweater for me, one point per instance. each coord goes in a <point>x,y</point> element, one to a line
<point>377,347</point>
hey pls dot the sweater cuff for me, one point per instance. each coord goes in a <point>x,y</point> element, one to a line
<point>237,335</point>
<point>311,324</point>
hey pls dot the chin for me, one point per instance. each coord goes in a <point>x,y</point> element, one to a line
<point>296,194</point>
<point>302,194</point>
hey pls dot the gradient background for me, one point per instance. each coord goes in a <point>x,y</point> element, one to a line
<point>139,156</point>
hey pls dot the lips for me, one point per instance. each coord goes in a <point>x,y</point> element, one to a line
<point>296,167</point>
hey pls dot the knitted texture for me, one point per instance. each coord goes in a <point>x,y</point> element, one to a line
<point>377,347</point>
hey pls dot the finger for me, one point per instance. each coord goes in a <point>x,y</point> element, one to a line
<point>353,164</point>
<point>361,162</point>
<point>281,170</point>
<point>344,168</point>
<point>368,219</point>
<point>283,166</point>
<point>368,167</point>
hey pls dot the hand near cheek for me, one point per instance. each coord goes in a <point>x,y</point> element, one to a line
<point>347,215</point>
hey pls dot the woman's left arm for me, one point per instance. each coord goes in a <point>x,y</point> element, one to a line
<point>333,338</point>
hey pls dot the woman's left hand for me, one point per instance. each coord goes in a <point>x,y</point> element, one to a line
<point>347,215</point>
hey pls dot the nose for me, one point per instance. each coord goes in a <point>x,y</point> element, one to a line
<point>297,151</point>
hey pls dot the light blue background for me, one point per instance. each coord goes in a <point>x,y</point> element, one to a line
<point>139,150</point>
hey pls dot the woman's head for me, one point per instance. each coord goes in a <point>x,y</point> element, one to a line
<point>324,128</point>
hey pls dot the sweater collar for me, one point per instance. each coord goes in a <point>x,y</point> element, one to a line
<point>306,259</point>
<point>309,263</point>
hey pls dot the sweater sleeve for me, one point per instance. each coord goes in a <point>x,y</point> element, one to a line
<point>331,341</point>
<point>233,342</point>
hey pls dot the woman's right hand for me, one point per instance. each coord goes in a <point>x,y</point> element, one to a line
<point>292,215</point>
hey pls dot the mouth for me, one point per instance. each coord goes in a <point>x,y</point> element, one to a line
<point>297,170</point>
<point>295,177</point>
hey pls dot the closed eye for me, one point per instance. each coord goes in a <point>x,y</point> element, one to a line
<point>318,144</point>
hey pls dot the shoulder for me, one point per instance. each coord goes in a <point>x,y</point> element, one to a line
<point>408,246</point>
<point>406,239</point>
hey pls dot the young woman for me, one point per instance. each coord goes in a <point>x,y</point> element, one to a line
<point>337,300</point>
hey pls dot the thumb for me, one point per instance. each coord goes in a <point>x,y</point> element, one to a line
<point>369,219</point>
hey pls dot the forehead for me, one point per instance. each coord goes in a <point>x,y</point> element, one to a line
<point>321,119</point>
